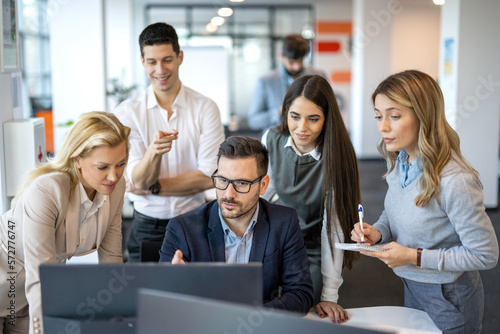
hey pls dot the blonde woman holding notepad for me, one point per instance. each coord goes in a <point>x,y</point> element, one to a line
<point>434,222</point>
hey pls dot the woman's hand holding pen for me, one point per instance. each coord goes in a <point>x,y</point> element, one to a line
<point>372,235</point>
<point>333,310</point>
<point>396,255</point>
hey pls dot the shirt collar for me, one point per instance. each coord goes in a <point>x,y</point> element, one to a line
<point>402,156</point>
<point>403,159</point>
<point>86,203</point>
<point>287,76</point>
<point>314,153</point>
<point>253,221</point>
<point>152,102</point>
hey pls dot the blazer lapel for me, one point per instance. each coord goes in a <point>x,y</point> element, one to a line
<point>103,221</point>
<point>72,223</point>
<point>216,235</point>
<point>260,235</point>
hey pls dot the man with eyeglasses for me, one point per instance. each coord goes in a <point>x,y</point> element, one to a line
<point>241,227</point>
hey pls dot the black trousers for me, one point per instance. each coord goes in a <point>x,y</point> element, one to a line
<point>144,228</point>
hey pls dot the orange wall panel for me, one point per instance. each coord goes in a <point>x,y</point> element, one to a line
<point>334,27</point>
<point>49,129</point>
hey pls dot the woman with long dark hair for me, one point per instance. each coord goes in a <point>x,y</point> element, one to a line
<point>314,169</point>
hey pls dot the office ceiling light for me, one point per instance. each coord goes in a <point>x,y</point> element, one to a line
<point>217,21</point>
<point>225,12</point>
<point>236,0</point>
<point>439,2</point>
<point>308,34</point>
<point>211,28</point>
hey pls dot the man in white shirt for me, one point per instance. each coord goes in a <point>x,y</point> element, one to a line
<point>176,133</point>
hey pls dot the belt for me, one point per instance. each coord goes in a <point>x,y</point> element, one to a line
<point>150,220</point>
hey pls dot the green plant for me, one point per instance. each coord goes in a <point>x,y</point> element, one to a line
<point>68,123</point>
<point>120,92</point>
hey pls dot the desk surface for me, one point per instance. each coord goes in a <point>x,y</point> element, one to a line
<point>400,320</point>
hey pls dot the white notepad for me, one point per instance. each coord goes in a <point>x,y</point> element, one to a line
<point>358,247</point>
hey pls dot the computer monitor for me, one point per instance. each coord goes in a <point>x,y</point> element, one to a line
<point>95,297</point>
<point>172,313</point>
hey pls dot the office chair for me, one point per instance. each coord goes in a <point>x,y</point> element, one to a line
<point>150,250</point>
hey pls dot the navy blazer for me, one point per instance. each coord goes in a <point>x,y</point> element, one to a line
<point>277,243</point>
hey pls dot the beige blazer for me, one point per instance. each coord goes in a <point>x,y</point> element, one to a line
<point>43,227</point>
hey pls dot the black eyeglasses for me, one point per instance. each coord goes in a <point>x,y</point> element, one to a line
<point>241,186</point>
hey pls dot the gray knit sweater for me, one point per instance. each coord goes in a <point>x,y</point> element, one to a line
<point>456,235</point>
<point>298,181</point>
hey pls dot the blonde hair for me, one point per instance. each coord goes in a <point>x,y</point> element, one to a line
<point>93,129</point>
<point>437,141</point>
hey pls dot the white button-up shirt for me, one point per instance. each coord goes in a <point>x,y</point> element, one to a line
<point>88,221</point>
<point>198,121</point>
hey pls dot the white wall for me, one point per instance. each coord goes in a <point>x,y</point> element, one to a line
<point>77,61</point>
<point>6,114</point>
<point>415,38</point>
<point>121,47</point>
<point>216,79</point>
<point>471,84</point>
<point>448,58</point>
<point>138,25</point>
<point>91,43</point>
<point>389,36</point>
<point>371,63</point>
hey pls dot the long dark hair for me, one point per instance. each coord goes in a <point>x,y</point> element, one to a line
<point>341,185</point>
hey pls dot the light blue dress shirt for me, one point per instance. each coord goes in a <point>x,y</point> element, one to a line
<point>238,248</point>
<point>264,111</point>
<point>287,77</point>
<point>409,171</point>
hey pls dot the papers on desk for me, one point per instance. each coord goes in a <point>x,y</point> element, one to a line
<point>358,247</point>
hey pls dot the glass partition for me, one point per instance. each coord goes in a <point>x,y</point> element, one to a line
<point>251,37</point>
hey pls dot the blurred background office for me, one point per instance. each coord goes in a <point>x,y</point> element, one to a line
<point>80,55</point>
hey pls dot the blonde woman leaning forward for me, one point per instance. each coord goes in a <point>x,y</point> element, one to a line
<point>69,206</point>
<point>434,219</point>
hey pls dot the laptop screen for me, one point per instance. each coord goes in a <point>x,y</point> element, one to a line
<point>89,292</point>
<point>171,313</point>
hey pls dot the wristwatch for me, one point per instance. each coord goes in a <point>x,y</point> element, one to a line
<point>419,257</point>
<point>155,188</point>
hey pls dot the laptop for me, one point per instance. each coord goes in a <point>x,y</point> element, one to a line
<point>172,313</point>
<point>103,298</point>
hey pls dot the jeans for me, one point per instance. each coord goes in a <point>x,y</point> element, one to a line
<point>144,228</point>
<point>454,307</point>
